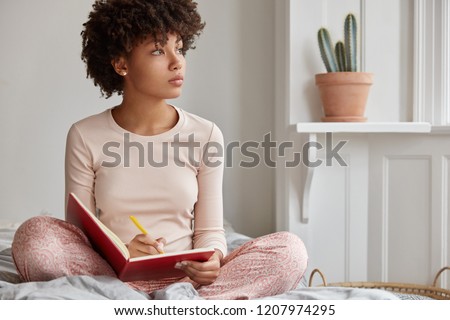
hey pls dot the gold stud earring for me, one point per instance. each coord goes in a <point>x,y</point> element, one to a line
<point>124,73</point>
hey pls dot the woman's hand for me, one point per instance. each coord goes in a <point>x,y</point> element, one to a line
<point>144,245</point>
<point>203,273</point>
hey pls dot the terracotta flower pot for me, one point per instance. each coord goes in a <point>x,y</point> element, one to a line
<point>344,95</point>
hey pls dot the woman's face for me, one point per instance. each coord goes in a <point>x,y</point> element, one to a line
<point>155,71</point>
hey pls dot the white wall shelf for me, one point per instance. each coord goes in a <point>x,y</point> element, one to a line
<point>364,127</point>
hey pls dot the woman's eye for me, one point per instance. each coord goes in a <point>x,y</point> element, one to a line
<point>157,52</point>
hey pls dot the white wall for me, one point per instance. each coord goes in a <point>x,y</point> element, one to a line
<point>232,83</point>
<point>43,90</point>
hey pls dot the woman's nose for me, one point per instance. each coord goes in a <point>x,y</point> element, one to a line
<point>177,62</point>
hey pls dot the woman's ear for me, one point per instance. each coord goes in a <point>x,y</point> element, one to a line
<point>120,65</point>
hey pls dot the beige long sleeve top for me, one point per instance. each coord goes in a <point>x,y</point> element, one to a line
<point>171,182</point>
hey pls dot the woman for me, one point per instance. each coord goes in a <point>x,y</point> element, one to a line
<point>153,160</point>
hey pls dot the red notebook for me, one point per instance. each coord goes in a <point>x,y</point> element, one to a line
<point>116,253</point>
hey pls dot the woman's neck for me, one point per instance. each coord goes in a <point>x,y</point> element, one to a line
<point>145,117</point>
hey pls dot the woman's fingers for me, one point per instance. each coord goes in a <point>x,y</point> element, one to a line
<point>200,276</point>
<point>203,273</point>
<point>161,243</point>
<point>143,245</point>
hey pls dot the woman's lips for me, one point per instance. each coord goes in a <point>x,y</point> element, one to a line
<point>177,81</point>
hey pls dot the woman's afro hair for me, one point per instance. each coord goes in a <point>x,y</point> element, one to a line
<point>114,27</point>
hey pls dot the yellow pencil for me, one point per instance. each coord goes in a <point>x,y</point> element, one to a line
<point>140,227</point>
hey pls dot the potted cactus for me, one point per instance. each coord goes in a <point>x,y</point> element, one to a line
<point>343,90</point>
